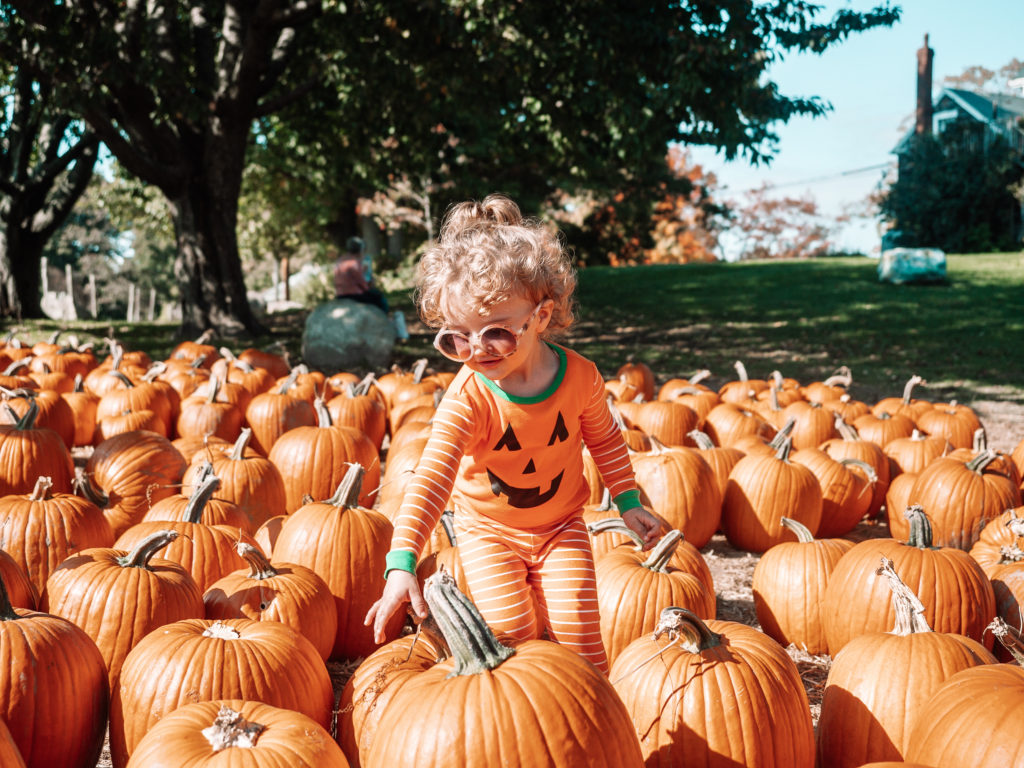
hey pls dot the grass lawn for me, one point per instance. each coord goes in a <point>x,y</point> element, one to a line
<point>803,318</point>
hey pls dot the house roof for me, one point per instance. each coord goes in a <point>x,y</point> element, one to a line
<point>995,109</point>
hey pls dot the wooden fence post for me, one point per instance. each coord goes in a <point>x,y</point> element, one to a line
<point>131,302</point>
<point>92,295</point>
<point>152,305</point>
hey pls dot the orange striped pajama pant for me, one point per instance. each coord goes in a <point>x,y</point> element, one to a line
<point>513,575</point>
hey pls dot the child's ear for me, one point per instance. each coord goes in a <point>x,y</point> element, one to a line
<point>544,314</point>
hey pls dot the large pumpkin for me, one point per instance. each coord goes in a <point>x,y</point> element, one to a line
<point>28,452</point>
<point>762,489</point>
<point>53,688</point>
<point>879,682</point>
<point>202,660</point>
<point>218,733</point>
<point>691,687</point>
<point>538,705</point>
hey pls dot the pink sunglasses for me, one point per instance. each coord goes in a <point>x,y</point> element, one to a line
<point>495,340</point>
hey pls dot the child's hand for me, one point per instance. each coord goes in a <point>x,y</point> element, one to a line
<point>644,524</point>
<point>401,588</point>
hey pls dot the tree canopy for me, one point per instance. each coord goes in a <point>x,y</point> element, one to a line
<point>462,96</point>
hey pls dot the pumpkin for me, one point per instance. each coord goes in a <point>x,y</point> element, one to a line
<point>127,473</point>
<point>83,410</point>
<point>206,551</point>
<point>214,511</point>
<point>346,545</point>
<point>20,591</point>
<point>685,557</point>
<point>248,481</point>
<point>367,692</point>
<point>850,445</point>
<point>270,414</point>
<point>726,423</point>
<point>681,488</point>
<point>954,422</point>
<point>9,753</point>
<point>789,584</point>
<point>897,499</point>
<point>632,592</point>
<point>845,494</point>
<point>906,405</point>
<point>813,424</point>
<point>721,459</point>
<point>203,660</point>
<point>1001,540</point>
<point>118,597</point>
<point>762,490</point>
<point>313,460</point>
<point>135,396</point>
<point>253,379</point>
<point>189,351</point>
<point>879,682</point>
<point>213,733</point>
<point>883,429</point>
<point>710,682</point>
<point>206,412</point>
<point>493,705</point>
<point>1008,585</point>
<point>291,594</point>
<point>355,407</point>
<point>847,408</point>
<point>39,530</point>
<point>832,388</point>
<point>128,421</point>
<point>667,421</point>
<point>275,363</point>
<point>53,688</point>
<point>975,719</point>
<point>28,452</point>
<point>960,498</point>
<point>914,453</point>
<point>955,591</point>
<point>640,375</point>
<point>742,388</point>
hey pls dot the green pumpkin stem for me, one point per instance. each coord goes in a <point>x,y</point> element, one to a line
<point>803,533</point>
<point>783,436</point>
<point>238,449</point>
<point>7,612</point>
<point>920,527</point>
<point>128,383</point>
<point>685,627</point>
<point>783,449</point>
<point>83,487</point>
<point>1009,638</point>
<point>26,421</point>
<point>202,494</point>
<point>908,607</point>
<point>662,553</point>
<point>614,525</point>
<point>447,524</point>
<point>143,552</point>
<point>259,564</point>
<point>982,460</point>
<point>863,466</point>
<point>474,647</point>
<point>349,488</point>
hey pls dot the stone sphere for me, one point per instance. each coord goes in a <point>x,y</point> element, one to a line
<point>344,335</point>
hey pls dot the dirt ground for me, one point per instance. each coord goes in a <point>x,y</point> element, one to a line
<point>733,569</point>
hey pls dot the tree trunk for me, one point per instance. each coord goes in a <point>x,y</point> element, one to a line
<point>20,258</point>
<point>208,267</point>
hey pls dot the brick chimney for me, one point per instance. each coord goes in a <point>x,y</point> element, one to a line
<point>923,118</point>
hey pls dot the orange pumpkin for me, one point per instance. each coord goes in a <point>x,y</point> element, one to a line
<point>28,452</point>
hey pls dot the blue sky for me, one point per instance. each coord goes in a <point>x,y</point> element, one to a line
<point>870,79</point>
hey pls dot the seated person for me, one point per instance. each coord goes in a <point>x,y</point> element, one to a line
<point>352,279</point>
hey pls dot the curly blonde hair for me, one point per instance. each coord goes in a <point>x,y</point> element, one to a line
<point>487,252</point>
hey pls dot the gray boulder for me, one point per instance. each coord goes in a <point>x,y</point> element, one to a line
<point>342,335</point>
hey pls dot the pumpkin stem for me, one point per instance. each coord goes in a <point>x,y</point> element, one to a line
<point>222,631</point>
<point>289,381</point>
<point>846,431</point>
<point>128,383</point>
<point>982,460</point>
<point>17,365</point>
<point>908,388</point>
<point>920,527</point>
<point>1009,637</point>
<point>205,336</point>
<point>351,485</point>
<point>473,645</point>
<point>215,384</point>
<point>418,369</point>
<point>863,466</point>
<point>843,377</point>
<point>686,627</point>
<point>783,449</point>
<point>782,436</point>
<point>1014,523</point>
<point>238,449</point>
<point>699,376</point>
<point>363,387</point>
<point>1012,554</point>
<point>908,607</point>
<point>42,489</point>
<point>28,420</point>
<point>447,516</point>
<point>702,439</point>
<point>7,612</point>
<point>143,552</point>
<point>741,370</point>
<point>197,502</point>
<point>230,729</point>
<point>979,441</point>
<point>323,415</point>
<point>803,533</point>
<point>659,558</point>
<point>615,525</point>
<point>259,563</point>
<point>83,487</point>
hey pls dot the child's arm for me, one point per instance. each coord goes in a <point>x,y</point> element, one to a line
<point>424,501</point>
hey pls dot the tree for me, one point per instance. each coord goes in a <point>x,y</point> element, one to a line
<point>46,161</point>
<point>956,192</point>
<point>527,98</point>
<point>771,227</point>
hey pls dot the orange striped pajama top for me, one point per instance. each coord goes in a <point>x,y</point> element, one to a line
<point>516,461</point>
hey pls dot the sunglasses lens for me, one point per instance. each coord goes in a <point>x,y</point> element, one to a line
<point>454,345</point>
<point>499,341</point>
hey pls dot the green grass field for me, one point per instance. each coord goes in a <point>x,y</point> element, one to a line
<point>803,318</point>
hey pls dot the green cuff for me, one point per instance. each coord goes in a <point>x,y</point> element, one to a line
<point>627,500</point>
<point>399,560</point>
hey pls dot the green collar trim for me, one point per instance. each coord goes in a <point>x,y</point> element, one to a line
<point>562,364</point>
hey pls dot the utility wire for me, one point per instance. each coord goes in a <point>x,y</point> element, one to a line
<point>829,177</point>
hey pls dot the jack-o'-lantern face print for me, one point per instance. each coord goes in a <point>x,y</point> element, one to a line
<point>524,495</point>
